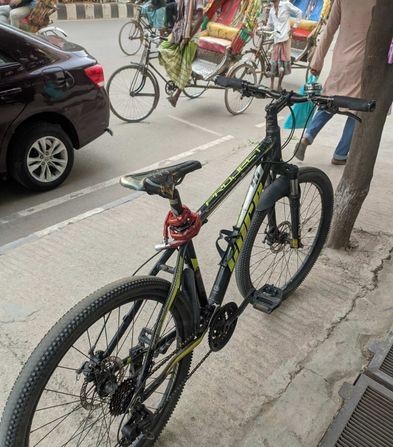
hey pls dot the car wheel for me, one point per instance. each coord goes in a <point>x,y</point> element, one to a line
<point>41,156</point>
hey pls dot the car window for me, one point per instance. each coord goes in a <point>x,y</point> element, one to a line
<point>24,48</point>
<point>5,60</point>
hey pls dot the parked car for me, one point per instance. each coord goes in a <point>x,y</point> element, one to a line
<point>52,101</point>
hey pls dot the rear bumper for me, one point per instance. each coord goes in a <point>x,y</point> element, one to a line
<point>93,119</point>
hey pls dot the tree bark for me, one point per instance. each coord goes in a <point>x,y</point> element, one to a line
<point>377,83</point>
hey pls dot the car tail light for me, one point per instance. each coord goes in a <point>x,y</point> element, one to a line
<point>96,74</point>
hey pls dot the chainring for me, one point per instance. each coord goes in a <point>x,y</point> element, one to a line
<point>170,88</point>
<point>220,331</point>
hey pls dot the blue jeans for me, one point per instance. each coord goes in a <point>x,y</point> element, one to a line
<point>319,120</point>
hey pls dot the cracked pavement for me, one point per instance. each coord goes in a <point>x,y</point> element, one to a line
<point>276,383</point>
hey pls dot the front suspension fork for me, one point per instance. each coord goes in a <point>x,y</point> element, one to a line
<point>294,204</point>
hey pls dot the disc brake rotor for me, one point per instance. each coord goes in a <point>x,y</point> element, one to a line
<point>108,375</point>
<point>282,238</point>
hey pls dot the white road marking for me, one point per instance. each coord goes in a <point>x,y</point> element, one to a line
<point>93,188</point>
<point>51,229</point>
<point>45,232</point>
<point>189,123</point>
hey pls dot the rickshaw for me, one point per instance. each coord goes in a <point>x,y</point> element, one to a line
<point>228,25</point>
<point>304,37</point>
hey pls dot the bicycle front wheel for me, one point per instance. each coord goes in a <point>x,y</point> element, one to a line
<point>130,37</point>
<point>70,394</point>
<point>234,101</point>
<point>133,93</point>
<point>267,256</point>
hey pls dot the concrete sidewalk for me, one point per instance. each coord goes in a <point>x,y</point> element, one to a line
<point>276,383</point>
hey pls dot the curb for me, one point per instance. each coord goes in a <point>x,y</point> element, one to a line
<point>93,11</point>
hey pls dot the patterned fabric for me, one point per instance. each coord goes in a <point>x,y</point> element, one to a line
<point>39,16</point>
<point>178,61</point>
<point>281,58</point>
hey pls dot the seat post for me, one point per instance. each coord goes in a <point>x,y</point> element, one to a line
<point>175,202</point>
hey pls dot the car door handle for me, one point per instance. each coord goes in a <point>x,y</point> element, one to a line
<point>10,92</point>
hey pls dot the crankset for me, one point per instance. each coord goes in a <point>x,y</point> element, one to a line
<point>170,88</point>
<point>222,326</point>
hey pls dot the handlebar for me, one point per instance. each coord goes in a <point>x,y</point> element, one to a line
<point>332,102</point>
<point>361,105</point>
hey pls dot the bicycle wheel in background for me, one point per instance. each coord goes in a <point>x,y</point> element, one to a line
<point>257,38</point>
<point>258,61</point>
<point>267,257</point>
<point>133,93</point>
<point>131,37</point>
<point>192,91</point>
<point>69,394</point>
<point>234,101</point>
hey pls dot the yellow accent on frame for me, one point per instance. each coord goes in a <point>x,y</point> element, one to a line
<point>194,263</point>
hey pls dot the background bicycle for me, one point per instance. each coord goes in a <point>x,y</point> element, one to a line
<point>153,16</point>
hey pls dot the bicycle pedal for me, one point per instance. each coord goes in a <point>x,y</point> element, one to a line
<point>267,299</point>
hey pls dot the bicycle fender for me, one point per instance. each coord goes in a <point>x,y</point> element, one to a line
<point>275,191</point>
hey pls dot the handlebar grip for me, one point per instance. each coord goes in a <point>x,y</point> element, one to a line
<point>234,83</point>
<point>360,105</point>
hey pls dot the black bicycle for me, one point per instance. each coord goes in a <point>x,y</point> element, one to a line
<point>132,33</point>
<point>111,371</point>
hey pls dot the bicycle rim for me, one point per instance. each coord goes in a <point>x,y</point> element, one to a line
<point>133,93</point>
<point>130,38</point>
<point>234,101</point>
<point>268,258</point>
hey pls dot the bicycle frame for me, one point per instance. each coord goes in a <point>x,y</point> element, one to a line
<point>266,158</point>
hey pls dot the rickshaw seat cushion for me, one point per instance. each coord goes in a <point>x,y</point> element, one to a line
<point>221,31</point>
<point>300,34</point>
<point>307,25</point>
<point>214,44</point>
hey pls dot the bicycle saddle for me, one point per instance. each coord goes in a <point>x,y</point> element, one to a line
<point>160,181</point>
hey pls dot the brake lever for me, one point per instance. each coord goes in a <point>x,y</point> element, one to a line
<point>351,115</point>
<point>335,111</point>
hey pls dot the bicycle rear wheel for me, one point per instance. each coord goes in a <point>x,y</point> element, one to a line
<point>234,101</point>
<point>131,37</point>
<point>49,406</point>
<point>267,256</point>
<point>133,92</point>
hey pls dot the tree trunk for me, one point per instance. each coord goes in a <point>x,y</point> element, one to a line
<point>377,83</point>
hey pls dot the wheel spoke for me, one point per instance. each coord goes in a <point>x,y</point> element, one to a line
<point>271,259</point>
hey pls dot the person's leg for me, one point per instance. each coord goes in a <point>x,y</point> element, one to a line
<point>175,97</point>
<point>280,78</point>
<point>274,65</point>
<point>317,123</point>
<point>5,13</point>
<point>17,14</point>
<point>342,149</point>
<point>272,83</point>
<point>285,61</point>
